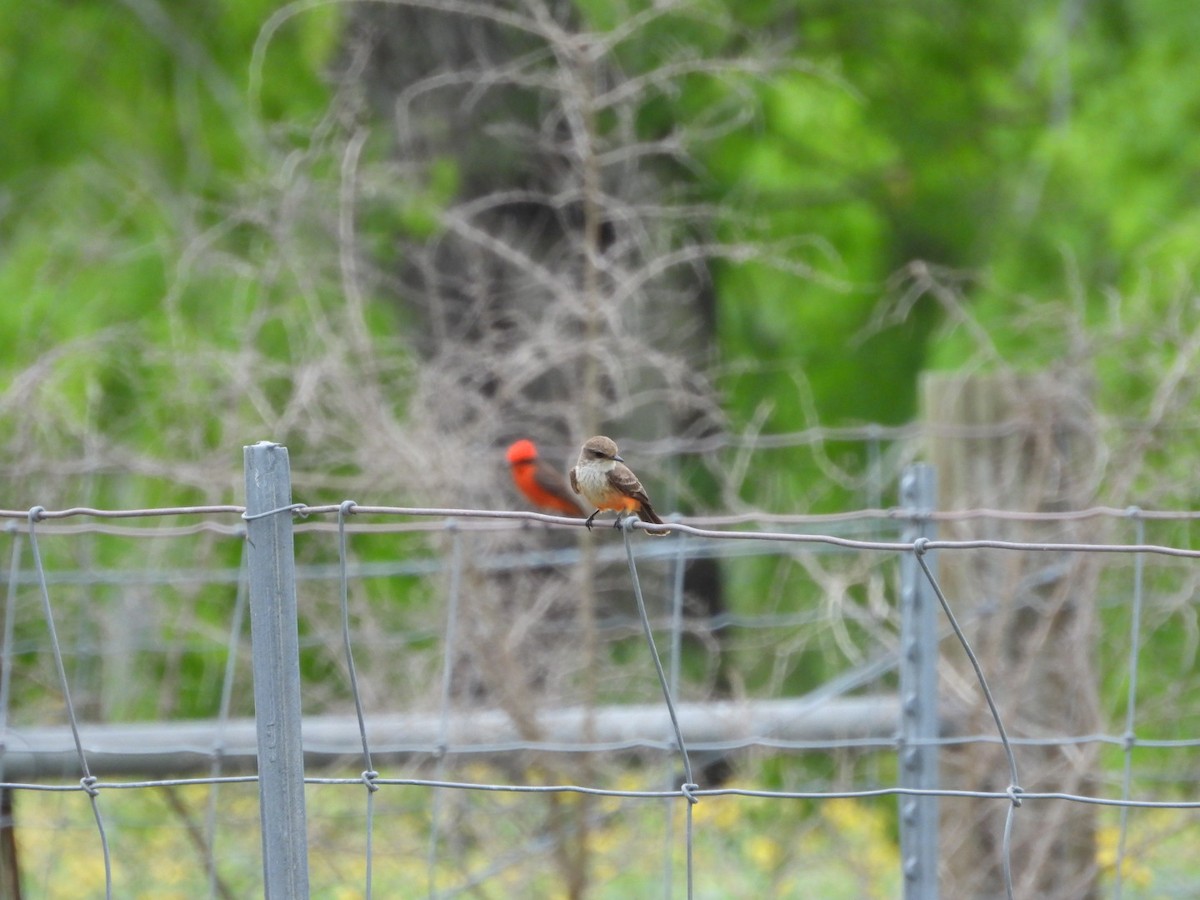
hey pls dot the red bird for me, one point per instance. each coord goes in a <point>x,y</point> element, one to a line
<point>541,485</point>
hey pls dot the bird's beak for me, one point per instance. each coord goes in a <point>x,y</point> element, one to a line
<point>618,459</point>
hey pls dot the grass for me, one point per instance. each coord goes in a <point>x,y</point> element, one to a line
<point>499,845</point>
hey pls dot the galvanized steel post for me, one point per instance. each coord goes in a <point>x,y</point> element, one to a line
<point>918,694</point>
<point>276,650</point>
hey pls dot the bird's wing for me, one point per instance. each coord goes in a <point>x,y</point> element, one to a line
<point>622,479</point>
<point>574,482</point>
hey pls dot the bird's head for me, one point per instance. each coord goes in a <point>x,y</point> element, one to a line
<point>599,448</point>
<point>522,451</point>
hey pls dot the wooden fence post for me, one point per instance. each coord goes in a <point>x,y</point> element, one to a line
<point>1025,443</point>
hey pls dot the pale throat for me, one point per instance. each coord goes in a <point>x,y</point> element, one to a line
<point>593,475</point>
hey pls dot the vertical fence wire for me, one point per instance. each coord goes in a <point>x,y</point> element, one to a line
<point>920,549</point>
<point>8,865</point>
<point>689,786</point>
<point>88,782</point>
<point>1130,737</point>
<point>677,572</point>
<point>875,483</point>
<point>369,775</point>
<point>218,751</point>
<point>451,648</point>
<point>10,614</point>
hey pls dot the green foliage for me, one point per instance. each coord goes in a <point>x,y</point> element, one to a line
<point>136,245</point>
<point>420,217</point>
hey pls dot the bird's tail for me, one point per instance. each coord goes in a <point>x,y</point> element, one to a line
<point>647,514</point>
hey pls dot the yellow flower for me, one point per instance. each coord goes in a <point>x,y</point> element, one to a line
<point>1108,841</point>
<point>842,813</point>
<point>717,813</point>
<point>765,852</point>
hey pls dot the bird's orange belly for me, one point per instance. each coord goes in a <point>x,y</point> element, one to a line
<point>618,502</point>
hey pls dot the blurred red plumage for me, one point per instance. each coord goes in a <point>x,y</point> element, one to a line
<point>544,487</point>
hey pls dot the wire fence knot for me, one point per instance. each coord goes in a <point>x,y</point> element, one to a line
<point>88,783</point>
<point>36,514</point>
<point>347,507</point>
<point>368,778</point>
<point>299,509</point>
<point>688,790</point>
<point>1014,793</point>
<point>921,546</point>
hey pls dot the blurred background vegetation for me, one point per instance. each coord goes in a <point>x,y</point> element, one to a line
<point>172,179</point>
<point>395,237</point>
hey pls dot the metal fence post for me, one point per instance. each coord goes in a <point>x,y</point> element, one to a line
<point>918,694</point>
<point>276,650</point>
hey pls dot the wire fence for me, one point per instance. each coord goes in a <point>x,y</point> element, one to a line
<point>411,722</point>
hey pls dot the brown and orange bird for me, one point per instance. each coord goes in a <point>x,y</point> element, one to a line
<point>544,487</point>
<point>604,480</point>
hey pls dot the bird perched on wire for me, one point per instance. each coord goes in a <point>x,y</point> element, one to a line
<point>604,480</point>
<point>542,485</point>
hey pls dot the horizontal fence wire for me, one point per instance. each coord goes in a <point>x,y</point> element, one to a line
<point>302,511</point>
<point>699,533</point>
<point>624,793</point>
<point>38,514</point>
